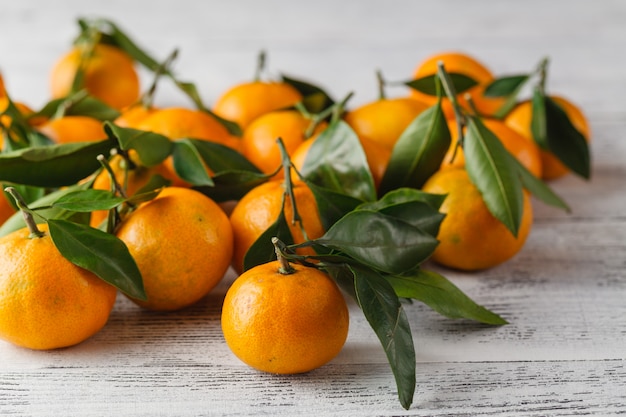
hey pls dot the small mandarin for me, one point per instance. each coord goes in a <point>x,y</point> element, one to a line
<point>284,323</point>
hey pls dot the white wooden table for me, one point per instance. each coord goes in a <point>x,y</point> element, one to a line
<point>563,352</point>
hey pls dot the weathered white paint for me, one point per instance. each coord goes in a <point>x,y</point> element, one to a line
<point>564,294</point>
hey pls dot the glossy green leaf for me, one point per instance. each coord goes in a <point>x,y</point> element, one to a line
<point>538,188</point>
<point>99,252</point>
<point>189,165</point>
<point>404,195</point>
<point>539,119</point>
<point>232,185</point>
<point>418,152</point>
<point>53,166</point>
<point>488,165</point>
<point>418,214</point>
<point>88,200</point>
<point>428,84</point>
<point>152,148</point>
<point>262,250</point>
<point>379,241</point>
<point>79,104</point>
<point>505,86</point>
<point>44,207</point>
<point>441,295</point>
<point>332,205</point>
<point>385,314</point>
<point>565,142</point>
<point>315,99</point>
<point>221,158</point>
<point>337,161</point>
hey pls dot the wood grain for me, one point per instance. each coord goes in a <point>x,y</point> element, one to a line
<point>564,351</point>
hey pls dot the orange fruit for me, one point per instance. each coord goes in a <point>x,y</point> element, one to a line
<point>71,129</point>
<point>525,151</point>
<point>109,75</point>
<point>182,243</point>
<point>132,116</point>
<point>259,138</point>
<point>383,121</point>
<point>376,154</point>
<point>519,120</point>
<point>470,237</point>
<point>180,122</point>
<point>6,208</point>
<point>284,323</point>
<point>46,302</point>
<point>457,62</point>
<point>3,90</point>
<point>259,209</point>
<point>245,102</point>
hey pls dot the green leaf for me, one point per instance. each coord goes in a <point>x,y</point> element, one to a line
<point>45,209</point>
<point>379,241</point>
<point>189,165</point>
<point>220,158</point>
<point>99,252</point>
<point>232,185</point>
<point>337,161</point>
<point>79,104</point>
<point>505,86</point>
<point>385,314</point>
<point>509,87</point>
<point>53,166</point>
<point>152,148</point>
<point>404,195</point>
<point>488,165</point>
<point>539,119</point>
<point>262,250</point>
<point>315,99</point>
<point>88,200</point>
<point>419,151</point>
<point>428,84</point>
<point>565,142</point>
<point>418,208</point>
<point>539,188</point>
<point>332,205</point>
<point>441,295</point>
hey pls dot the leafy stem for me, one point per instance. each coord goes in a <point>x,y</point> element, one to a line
<point>285,267</point>
<point>26,213</point>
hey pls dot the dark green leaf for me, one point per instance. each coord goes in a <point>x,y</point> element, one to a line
<point>385,314</point>
<point>221,158</point>
<point>79,104</point>
<point>343,276</point>
<point>412,206</point>
<point>53,166</point>
<point>488,165</point>
<point>441,295</point>
<point>379,241</point>
<point>99,252</point>
<point>16,221</point>
<point>88,200</point>
<point>189,165</point>
<point>565,142</point>
<point>539,188</point>
<point>232,185</point>
<point>332,205</point>
<point>152,148</point>
<point>315,99</point>
<point>505,86</point>
<point>428,84</point>
<point>539,122</point>
<point>418,152</point>
<point>262,250</point>
<point>404,195</point>
<point>337,161</point>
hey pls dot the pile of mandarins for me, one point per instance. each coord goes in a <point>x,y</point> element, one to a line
<point>183,239</point>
